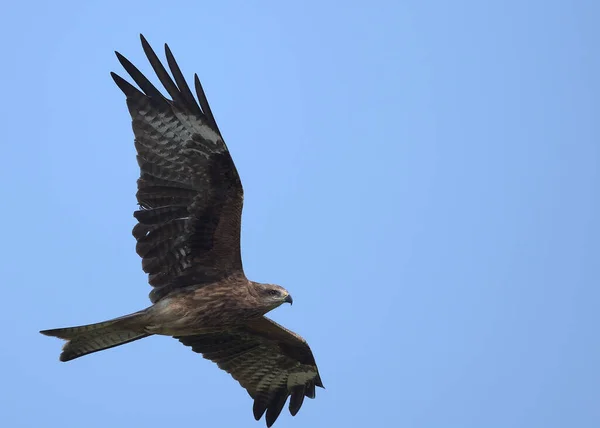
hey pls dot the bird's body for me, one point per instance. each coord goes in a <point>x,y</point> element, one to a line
<point>188,235</point>
<point>214,307</point>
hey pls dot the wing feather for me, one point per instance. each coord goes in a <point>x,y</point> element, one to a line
<point>162,73</point>
<point>297,398</point>
<point>269,361</point>
<point>189,191</point>
<point>184,89</point>
<point>141,80</point>
<point>204,102</point>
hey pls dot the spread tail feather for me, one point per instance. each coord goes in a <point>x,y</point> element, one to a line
<point>87,339</point>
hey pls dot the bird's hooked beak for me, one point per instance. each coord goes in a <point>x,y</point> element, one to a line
<point>288,299</point>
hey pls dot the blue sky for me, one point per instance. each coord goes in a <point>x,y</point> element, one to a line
<point>423,176</point>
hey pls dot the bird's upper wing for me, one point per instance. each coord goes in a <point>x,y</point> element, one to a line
<point>189,191</point>
<point>268,360</point>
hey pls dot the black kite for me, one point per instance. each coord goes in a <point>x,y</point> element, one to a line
<point>188,235</point>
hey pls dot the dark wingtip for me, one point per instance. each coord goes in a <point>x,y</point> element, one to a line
<point>120,57</point>
<point>162,73</point>
<point>138,77</point>
<point>145,43</point>
<point>319,382</point>
<point>168,53</point>
<point>127,88</point>
<point>204,103</point>
<point>258,409</point>
<point>184,89</point>
<point>276,405</point>
<point>124,61</point>
<point>296,399</point>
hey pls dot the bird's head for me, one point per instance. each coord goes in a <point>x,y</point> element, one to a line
<point>272,295</point>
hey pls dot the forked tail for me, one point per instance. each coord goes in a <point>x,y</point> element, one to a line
<point>87,339</point>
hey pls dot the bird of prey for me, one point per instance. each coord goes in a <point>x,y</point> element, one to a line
<point>188,236</point>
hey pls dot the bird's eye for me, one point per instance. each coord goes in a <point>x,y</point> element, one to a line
<point>273,292</point>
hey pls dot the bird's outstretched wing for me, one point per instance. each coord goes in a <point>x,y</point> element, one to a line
<point>269,361</point>
<point>189,191</point>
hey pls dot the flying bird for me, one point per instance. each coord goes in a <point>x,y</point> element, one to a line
<point>188,235</point>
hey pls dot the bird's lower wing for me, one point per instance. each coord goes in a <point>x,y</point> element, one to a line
<point>269,361</point>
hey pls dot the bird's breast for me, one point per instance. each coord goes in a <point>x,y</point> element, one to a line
<point>194,313</point>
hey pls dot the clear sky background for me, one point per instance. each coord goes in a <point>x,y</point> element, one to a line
<point>423,176</point>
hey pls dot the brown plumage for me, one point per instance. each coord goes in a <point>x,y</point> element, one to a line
<point>188,236</point>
